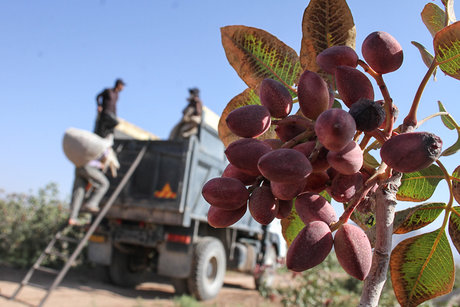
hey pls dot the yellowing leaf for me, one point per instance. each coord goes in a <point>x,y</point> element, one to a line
<point>416,217</point>
<point>434,18</point>
<point>419,186</point>
<point>447,50</point>
<point>291,226</point>
<point>454,228</point>
<point>256,54</point>
<point>248,97</point>
<point>325,23</point>
<point>422,268</point>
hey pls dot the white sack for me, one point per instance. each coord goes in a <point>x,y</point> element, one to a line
<point>81,146</point>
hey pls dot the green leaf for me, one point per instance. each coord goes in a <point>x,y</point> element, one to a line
<point>451,124</point>
<point>419,186</point>
<point>448,120</point>
<point>256,54</point>
<point>427,57</point>
<point>363,219</point>
<point>454,227</point>
<point>452,149</point>
<point>369,160</point>
<point>325,23</point>
<point>456,184</point>
<point>326,195</point>
<point>434,18</point>
<point>416,217</point>
<point>248,97</point>
<point>336,104</point>
<point>447,49</point>
<point>291,226</point>
<point>364,215</point>
<point>422,268</point>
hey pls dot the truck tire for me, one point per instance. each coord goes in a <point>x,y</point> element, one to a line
<point>265,274</point>
<point>122,272</point>
<point>208,268</point>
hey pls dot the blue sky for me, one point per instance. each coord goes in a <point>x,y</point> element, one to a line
<point>57,55</point>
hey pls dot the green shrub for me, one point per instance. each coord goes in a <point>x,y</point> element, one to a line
<point>328,285</point>
<point>186,301</point>
<point>324,285</point>
<point>28,223</point>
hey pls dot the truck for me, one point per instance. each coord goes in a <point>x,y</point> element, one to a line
<point>157,226</point>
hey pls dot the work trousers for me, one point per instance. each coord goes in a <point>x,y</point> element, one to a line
<point>100,184</point>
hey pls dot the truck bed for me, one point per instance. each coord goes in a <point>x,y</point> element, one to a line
<point>154,192</point>
<point>166,186</point>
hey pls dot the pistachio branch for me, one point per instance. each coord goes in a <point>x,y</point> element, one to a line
<point>315,153</point>
<point>256,184</point>
<point>298,138</point>
<point>354,202</point>
<point>451,198</point>
<point>384,216</point>
<point>364,141</point>
<point>411,118</point>
<point>386,96</point>
<point>378,135</point>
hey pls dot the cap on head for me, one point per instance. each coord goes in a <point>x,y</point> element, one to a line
<point>194,91</point>
<point>119,82</point>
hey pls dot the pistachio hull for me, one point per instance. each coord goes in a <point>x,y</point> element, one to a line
<point>411,152</point>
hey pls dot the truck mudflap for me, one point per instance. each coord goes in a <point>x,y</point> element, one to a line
<point>100,250</point>
<point>175,259</point>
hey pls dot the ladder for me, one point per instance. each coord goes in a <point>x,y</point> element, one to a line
<point>60,236</point>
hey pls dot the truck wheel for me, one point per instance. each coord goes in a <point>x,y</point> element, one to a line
<point>122,270</point>
<point>208,268</point>
<point>265,273</point>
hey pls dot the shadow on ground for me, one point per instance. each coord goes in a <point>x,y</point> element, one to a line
<point>96,279</point>
<point>91,279</point>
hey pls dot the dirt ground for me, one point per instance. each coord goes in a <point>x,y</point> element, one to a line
<point>82,288</point>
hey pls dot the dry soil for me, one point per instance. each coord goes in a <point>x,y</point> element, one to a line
<point>83,287</point>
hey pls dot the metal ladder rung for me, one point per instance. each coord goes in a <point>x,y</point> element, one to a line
<point>60,255</point>
<point>32,284</point>
<point>81,243</point>
<point>47,270</point>
<point>68,239</point>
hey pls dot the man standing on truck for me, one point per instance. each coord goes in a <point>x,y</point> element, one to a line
<point>107,109</point>
<point>191,118</point>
